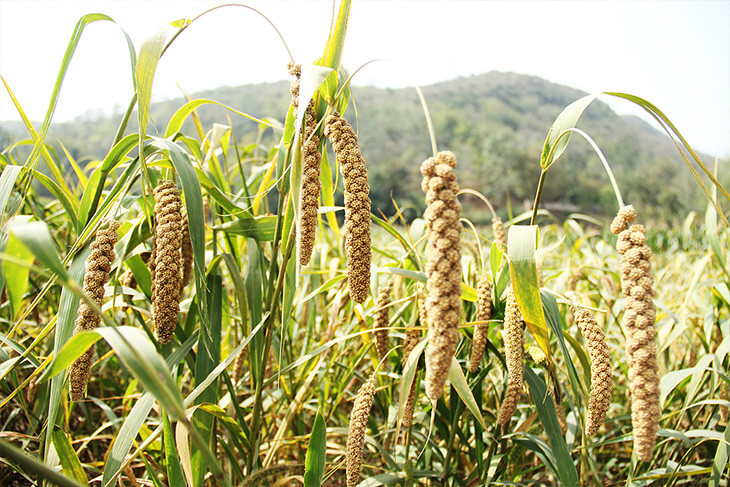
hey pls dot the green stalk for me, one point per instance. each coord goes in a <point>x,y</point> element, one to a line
<point>409,463</point>
<point>30,464</point>
<point>452,437</point>
<point>272,304</point>
<point>538,194</point>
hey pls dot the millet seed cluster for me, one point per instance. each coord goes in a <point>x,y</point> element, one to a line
<point>484,313</point>
<point>167,260</point>
<point>356,432</point>
<point>357,204</point>
<point>514,351</point>
<point>443,268</point>
<point>601,382</point>
<point>637,285</point>
<point>98,265</point>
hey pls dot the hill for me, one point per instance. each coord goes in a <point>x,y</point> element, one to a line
<point>495,123</point>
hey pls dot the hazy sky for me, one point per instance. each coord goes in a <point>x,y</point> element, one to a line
<point>676,54</point>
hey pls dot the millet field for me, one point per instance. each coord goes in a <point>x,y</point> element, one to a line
<point>194,311</point>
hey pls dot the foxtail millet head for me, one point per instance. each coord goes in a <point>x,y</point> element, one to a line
<point>484,313</point>
<point>168,259</point>
<point>514,349</point>
<point>98,266</point>
<point>443,268</point>
<point>356,431</point>
<point>637,284</point>
<point>601,370</point>
<point>357,204</point>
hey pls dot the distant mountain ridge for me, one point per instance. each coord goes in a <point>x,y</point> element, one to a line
<point>495,123</point>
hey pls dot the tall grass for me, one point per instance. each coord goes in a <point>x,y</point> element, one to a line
<point>177,413</point>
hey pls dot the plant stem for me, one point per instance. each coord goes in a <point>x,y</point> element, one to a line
<point>268,333</point>
<point>538,194</point>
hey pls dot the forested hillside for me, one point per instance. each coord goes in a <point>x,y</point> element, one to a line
<point>495,123</point>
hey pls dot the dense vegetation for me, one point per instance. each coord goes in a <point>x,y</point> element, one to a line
<point>219,357</point>
<point>496,121</point>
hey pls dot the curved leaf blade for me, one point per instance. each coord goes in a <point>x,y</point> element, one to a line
<point>315,460</point>
<point>521,245</point>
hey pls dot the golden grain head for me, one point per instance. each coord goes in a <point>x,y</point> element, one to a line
<point>356,431</point>
<point>484,313</point>
<point>98,266</point>
<point>513,336</point>
<point>601,370</point>
<point>500,236</point>
<point>381,321</point>
<point>357,204</point>
<point>637,285</point>
<point>443,268</point>
<point>168,260</point>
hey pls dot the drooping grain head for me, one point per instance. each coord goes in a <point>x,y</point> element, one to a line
<point>413,334</point>
<point>296,71</point>
<point>513,336</point>
<point>357,204</point>
<point>380,323</point>
<point>311,185</point>
<point>443,268</point>
<point>484,313</point>
<point>98,265</point>
<point>601,380</point>
<point>356,431</point>
<point>624,218</point>
<point>187,252</point>
<point>637,284</point>
<point>500,236</point>
<point>410,406</point>
<point>238,366</point>
<point>168,260</point>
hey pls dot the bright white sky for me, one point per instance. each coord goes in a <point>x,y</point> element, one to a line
<point>676,54</point>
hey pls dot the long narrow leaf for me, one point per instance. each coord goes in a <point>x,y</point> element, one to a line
<point>523,271</point>
<point>566,471</point>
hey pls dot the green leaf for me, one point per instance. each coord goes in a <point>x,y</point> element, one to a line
<point>73,43</point>
<point>136,417</point>
<point>72,350</point>
<point>456,376</point>
<point>196,216</point>
<point>670,129</point>
<point>149,55</point>
<point>182,113</point>
<point>720,463</point>
<point>713,238</point>
<point>557,138</point>
<point>37,238</point>
<point>175,474</point>
<point>209,351</point>
<point>336,43</point>
<point>95,184</point>
<point>261,228</point>
<point>566,471</point>
<point>555,321</point>
<point>67,455</point>
<point>28,463</point>
<point>64,197</point>
<point>139,356</point>
<point>312,78</point>
<point>16,271</point>
<point>409,374</point>
<point>522,242</point>
<point>7,182</point>
<point>67,311</point>
<point>316,452</point>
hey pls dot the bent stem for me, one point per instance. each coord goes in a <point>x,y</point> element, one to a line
<point>606,166</point>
